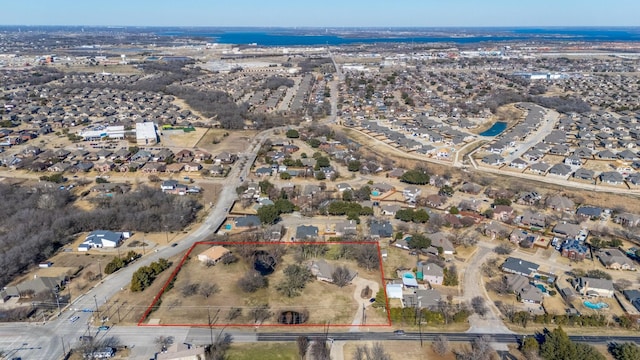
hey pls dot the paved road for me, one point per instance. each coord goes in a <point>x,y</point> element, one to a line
<point>473,287</point>
<point>45,341</point>
<point>547,125</point>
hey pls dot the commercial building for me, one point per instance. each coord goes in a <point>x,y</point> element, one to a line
<point>146,133</point>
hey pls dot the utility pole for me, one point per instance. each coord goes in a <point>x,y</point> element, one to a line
<point>166,231</point>
<point>96,301</point>
<point>64,350</point>
<point>100,269</point>
<point>210,324</point>
<point>57,302</point>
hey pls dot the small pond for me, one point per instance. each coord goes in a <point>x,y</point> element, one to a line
<point>495,129</point>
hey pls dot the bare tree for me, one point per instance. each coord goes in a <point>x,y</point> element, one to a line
<point>234,313</point>
<point>622,284</point>
<point>261,313</point>
<point>163,342</point>
<point>341,276</point>
<point>440,345</point>
<point>207,290</point>
<point>477,303</point>
<point>252,281</point>
<point>189,290</point>
<point>320,350</point>
<point>303,346</point>
<point>375,352</point>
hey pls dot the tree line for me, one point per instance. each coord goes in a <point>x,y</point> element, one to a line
<point>35,223</point>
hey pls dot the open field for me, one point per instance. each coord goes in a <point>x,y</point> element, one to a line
<point>215,140</point>
<point>323,301</point>
<point>181,139</point>
<point>263,351</point>
<point>402,350</point>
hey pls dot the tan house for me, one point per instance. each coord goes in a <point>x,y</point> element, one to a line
<point>213,254</point>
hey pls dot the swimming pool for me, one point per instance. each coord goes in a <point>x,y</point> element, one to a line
<point>375,193</point>
<point>596,306</point>
<point>408,276</point>
<point>542,288</point>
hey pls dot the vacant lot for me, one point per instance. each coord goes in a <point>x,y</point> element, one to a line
<point>324,302</point>
<point>402,350</point>
<point>216,141</point>
<point>270,351</point>
<point>178,139</point>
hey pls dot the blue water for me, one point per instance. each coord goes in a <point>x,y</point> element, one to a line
<point>293,37</point>
<point>409,276</point>
<point>495,129</point>
<point>375,193</point>
<point>542,288</point>
<point>597,306</point>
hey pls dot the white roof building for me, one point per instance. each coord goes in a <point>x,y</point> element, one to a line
<point>146,133</point>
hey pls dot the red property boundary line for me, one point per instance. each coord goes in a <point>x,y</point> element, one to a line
<point>175,272</point>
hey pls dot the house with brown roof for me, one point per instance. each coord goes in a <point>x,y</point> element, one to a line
<point>213,254</point>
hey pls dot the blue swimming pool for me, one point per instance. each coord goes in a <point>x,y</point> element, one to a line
<point>408,276</point>
<point>542,288</point>
<point>375,193</point>
<point>596,306</point>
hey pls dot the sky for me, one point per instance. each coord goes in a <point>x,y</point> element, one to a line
<point>323,13</point>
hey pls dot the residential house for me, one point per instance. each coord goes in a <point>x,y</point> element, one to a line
<point>594,287</point>
<point>410,193</point>
<point>524,290</point>
<point>539,168</point>
<point>306,232</point>
<point>627,219</point>
<point>431,273</point>
<point>570,231</point>
<point>390,210</point>
<point>560,203</point>
<point>574,250</point>
<point>380,229</point>
<point>611,178</point>
<point>560,170</point>
<point>584,174</point>
<point>246,222</point>
<point>192,167</point>
<point>324,270</point>
<point>533,219</point>
<point>182,351</point>
<point>436,201</point>
<point>213,254</point>
<point>573,160</point>
<point>442,240</point>
<point>615,259</point>
<point>589,212</point>
<point>174,167</point>
<point>347,228</point>
<point>502,212</point>
<point>520,267</point>
<point>493,160</point>
<point>422,299</point>
<point>102,239</point>
<point>225,158</point>
<point>342,187</point>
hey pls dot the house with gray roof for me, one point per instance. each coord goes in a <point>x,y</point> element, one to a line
<point>431,273</point>
<point>590,212</point>
<point>568,230</point>
<point>560,170</point>
<point>615,259</point>
<point>380,229</point>
<point>248,221</point>
<point>521,267</point>
<point>539,168</point>
<point>525,291</point>
<point>584,174</point>
<point>422,299</point>
<point>306,232</point>
<point>611,178</point>
<point>323,270</point>
<point>594,287</point>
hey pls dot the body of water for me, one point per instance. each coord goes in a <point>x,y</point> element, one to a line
<point>495,129</point>
<point>314,37</point>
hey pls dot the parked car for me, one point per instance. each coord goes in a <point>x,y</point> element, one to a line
<point>74,318</point>
<point>103,328</point>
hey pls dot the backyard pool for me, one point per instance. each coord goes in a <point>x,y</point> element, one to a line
<point>409,275</point>
<point>542,288</point>
<point>596,306</point>
<point>375,193</point>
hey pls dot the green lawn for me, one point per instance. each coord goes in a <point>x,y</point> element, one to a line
<point>270,351</point>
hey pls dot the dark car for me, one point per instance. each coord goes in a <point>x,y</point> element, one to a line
<point>174,244</point>
<point>372,300</point>
<point>399,332</point>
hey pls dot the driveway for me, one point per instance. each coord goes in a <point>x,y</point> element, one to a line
<point>360,284</point>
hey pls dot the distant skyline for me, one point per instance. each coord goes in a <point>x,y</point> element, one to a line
<point>326,13</point>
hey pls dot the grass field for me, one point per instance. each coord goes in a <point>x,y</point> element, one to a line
<point>262,351</point>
